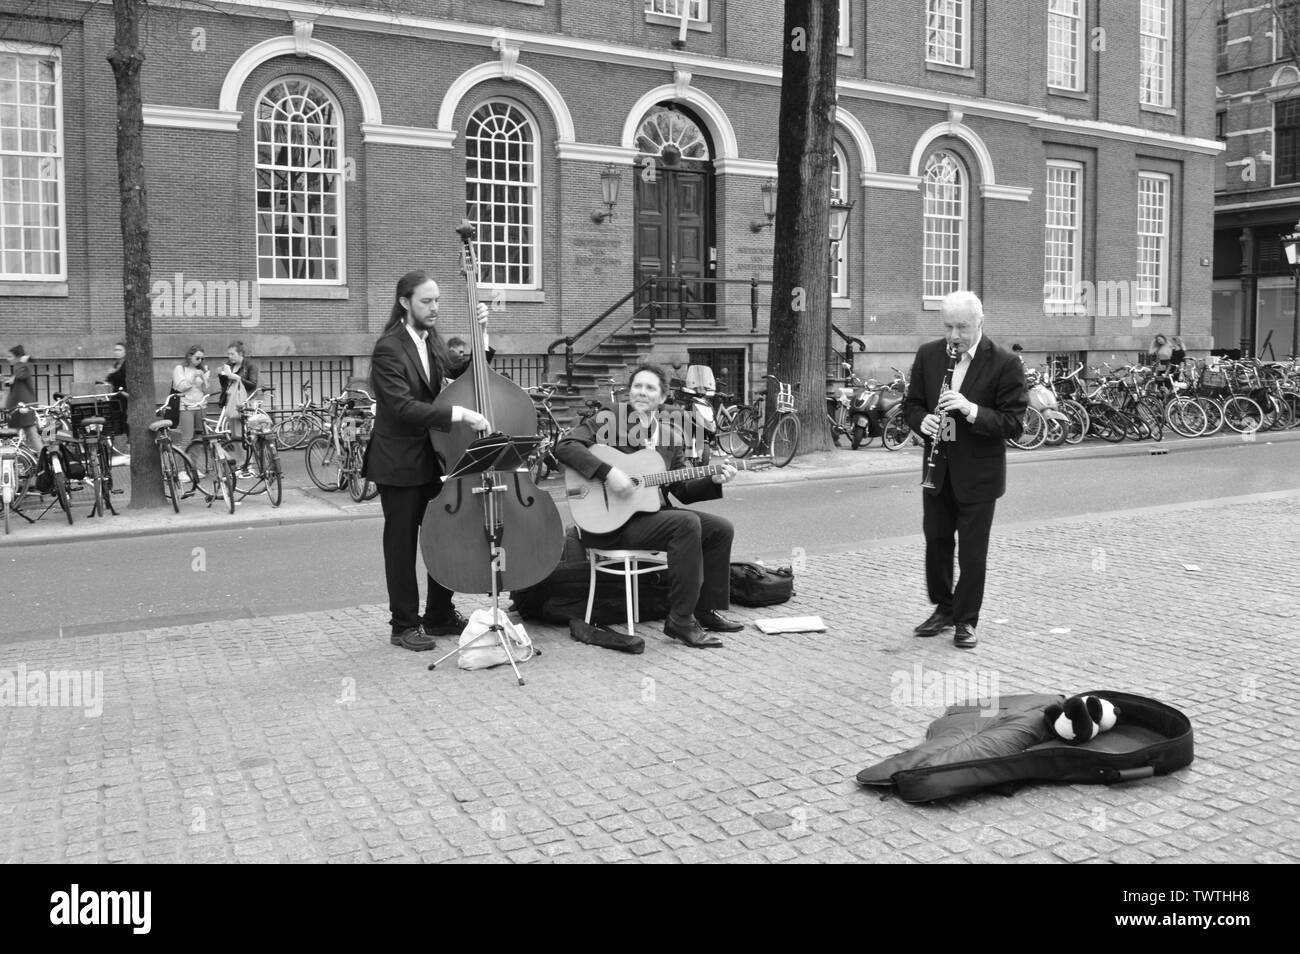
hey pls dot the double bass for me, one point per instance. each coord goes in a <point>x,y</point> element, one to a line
<point>490,530</point>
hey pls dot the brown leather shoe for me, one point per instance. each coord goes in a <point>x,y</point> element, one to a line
<point>691,634</point>
<point>413,639</point>
<point>715,621</point>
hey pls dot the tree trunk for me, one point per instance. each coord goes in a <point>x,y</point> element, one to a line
<point>801,263</point>
<point>126,59</point>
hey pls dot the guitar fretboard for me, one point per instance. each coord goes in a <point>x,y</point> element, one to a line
<point>686,473</point>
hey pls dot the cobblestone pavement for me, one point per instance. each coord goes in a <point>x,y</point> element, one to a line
<point>310,738</point>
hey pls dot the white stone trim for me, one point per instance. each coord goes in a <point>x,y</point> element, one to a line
<point>1010,193</point>
<point>890,180</point>
<point>423,137</point>
<point>759,168</point>
<point>259,53</point>
<point>858,133</point>
<point>958,130</point>
<point>724,136</point>
<point>191,117</point>
<point>424,27</point>
<point>525,76</point>
<point>595,152</point>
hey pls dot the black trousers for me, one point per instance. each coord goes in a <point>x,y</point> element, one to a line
<point>403,514</point>
<point>699,555</point>
<point>951,526</point>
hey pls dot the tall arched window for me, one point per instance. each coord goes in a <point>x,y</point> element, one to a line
<point>840,249</point>
<point>944,186</point>
<point>501,194</point>
<point>299,169</point>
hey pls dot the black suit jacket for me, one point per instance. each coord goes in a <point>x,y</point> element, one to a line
<point>671,445</point>
<point>976,459</point>
<point>400,451</point>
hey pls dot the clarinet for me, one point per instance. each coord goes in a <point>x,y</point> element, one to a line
<point>926,482</point>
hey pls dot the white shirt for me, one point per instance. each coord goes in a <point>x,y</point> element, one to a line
<point>421,339</point>
<point>959,373</point>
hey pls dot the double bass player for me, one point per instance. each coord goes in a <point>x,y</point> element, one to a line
<point>407,368</point>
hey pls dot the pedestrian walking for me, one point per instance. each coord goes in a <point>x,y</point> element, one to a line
<point>972,420</point>
<point>116,381</point>
<point>22,390</point>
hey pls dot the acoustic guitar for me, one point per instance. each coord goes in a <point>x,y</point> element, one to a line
<point>597,509</point>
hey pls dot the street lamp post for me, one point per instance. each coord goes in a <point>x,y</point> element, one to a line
<point>1291,245</point>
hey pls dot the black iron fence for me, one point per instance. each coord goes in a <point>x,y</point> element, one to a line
<point>327,377</point>
<point>526,370</point>
<point>48,378</point>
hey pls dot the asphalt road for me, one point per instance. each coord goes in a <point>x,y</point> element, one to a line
<point>66,589</point>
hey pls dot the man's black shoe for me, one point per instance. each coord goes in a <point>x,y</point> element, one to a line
<point>452,625</point>
<point>715,621</point>
<point>965,637</point>
<point>935,625</point>
<point>691,634</point>
<point>412,639</point>
<point>585,632</point>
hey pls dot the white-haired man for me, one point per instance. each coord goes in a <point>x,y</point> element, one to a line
<point>972,420</point>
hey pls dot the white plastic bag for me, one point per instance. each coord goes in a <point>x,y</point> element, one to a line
<point>481,649</point>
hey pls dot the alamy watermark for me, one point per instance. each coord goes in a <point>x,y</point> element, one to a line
<point>1122,299</point>
<point>179,297</point>
<point>56,688</point>
<point>940,688</point>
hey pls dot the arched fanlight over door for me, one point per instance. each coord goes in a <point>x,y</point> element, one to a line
<point>671,135</point>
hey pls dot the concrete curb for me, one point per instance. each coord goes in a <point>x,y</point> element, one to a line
<point>322,511</point>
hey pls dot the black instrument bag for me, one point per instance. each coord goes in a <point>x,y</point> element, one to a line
<point>971,748</point>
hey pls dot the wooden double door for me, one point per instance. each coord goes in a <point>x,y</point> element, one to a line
<point>675,237</point>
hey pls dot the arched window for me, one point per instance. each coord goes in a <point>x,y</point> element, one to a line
<point>299,169</point>
<point>501,190</point>
<point>944,187</point>
<point>840,249</point>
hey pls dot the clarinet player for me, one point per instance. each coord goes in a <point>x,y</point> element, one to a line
<point>966,426</point>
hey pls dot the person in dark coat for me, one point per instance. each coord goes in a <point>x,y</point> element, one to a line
<point>407,368</point>
<point>116,381</point>
<point>22,390</point>
<point>698,544</point>
<point>985,406</point>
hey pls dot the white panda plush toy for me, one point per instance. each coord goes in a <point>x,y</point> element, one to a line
<point>1081,718</point>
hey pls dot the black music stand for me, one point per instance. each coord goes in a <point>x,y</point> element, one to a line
<point>496,452</point>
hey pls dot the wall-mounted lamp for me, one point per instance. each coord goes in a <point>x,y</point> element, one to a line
<point>769,206</point>
<point>610,180</point>
<point>839,217</point>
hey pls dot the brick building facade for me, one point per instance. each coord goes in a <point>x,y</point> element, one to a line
<point>1021,148</point>
<point>1257,183</point>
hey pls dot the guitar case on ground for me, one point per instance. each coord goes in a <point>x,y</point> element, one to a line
<point>972,748</point>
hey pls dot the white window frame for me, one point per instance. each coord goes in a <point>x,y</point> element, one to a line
<point>1080,18</point>
<point>662,8</point>
<point>842,40</point>
<point>56,163</point>
<point>840,249</point>
<point>341,193</point>
<point>963,226</point>
<point>956,9</point>
<point>1140,296</point>
<point>1074,231</point>
<point>1163,42</point>
<point>535,266</point>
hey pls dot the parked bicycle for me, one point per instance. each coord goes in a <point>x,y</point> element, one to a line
<point>296,427</point>
<point>335,460</point>
<point>777,435</point>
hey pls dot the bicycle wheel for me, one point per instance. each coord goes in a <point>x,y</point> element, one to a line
<point>226,481</point>
<point>1213,415</point>
<point>894,432</point>
<point>748,431</point>
<point>25,465</point>
<point>1292,401</point>
<point>61,492</point>
<point>1154,422</point>
<point>1186,417</point>
<point>1242,414</point>
<point>171,480</point>
<point>785,439</point>
<point>356,483</point>
<point>1079,423</point>
<point>268,461</point>
<point>95,477</point>
<point>1133,428</point>
<point>322,463</point>
<point>729,442</point>
<point>291,432</point>
<point>1034,433</point>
